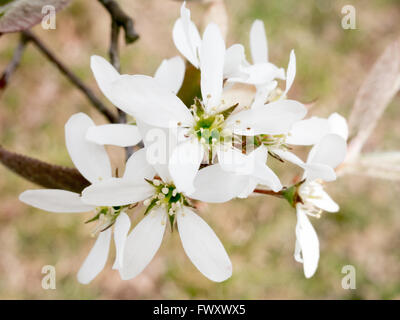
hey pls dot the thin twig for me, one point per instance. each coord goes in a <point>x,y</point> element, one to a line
<point>121,19</point>
<point>269,192</point>
<point>96,102</point>
<point>16,59</point>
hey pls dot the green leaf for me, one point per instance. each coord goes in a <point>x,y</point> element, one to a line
<point>19,15</point>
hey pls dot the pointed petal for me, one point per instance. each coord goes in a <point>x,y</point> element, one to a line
<point>267,177</point>
<point>159,144</point>
<point>289,156</point>
<point>315,171</point>
<point>233,160</point>
<point>272,118</point>
<point>324,202</point>
<point>97,258</point>
<point>147,100</point>
<point>122,135</point>
<point>142,243</point>
<point>170,73</point>
<point>290,73</point>
<point>89,158</point>
<point>258,42</point>
<point>116,192</point>
<point>203,247</point>
<point>308,132</point>
<point>54,200</point>
<point>137,168</point>
<point>186,37</point>
<point>308,242</point>
<point>212,54</point>
<point>104,74</point>
<point>234,57</point>
<point>338,125</point>
<point>330,151</point>
<point>212,184</point>
<point>248,188</point>
<point>121,229</point>
<point>184,164</point>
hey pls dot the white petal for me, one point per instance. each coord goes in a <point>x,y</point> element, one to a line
<point>184,164</point>
<point>122,135</point>
<point>267,177</point>
<point>54,200</point>
<point>273,118</point>
<point>89,158</point>
<point>212,54</point>
<point>297,252</point>
<point>338,125</point>
<point>259,74</point>
<point>263,174</point>
<point>258,42</point>
<point>289,156</point>
<point>97,258</point>
<point>330,151</point>
<point>186,37</point>
<point>324,202</point>
<point>144,98</point>
<point>248,188</point>
<point>308,241</point>
<point>143,243</point>
<point>262,94</point>
<point>291,73</point>
<point>203,247</point>
<point>308,132</point>
<point>116,192</point>
<point>159,144</point>
<point>213,184</point>
<point>171,73</point>
<point>315,171</point>
<point>137,168</point>
<point>121,229</point>
<point>233,160</point>
<point>104,74</point>
<point>234,57</point>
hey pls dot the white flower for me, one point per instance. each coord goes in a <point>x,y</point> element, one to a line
<point>93,163</point>
<point>205,126</point>
<point>328,153</point>
<point>169,75</point>
<point>329,139</point>
<point>165,204</point>
<point>261,73</point>
<point>315,200</point>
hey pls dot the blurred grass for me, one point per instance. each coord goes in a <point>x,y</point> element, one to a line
<point>258,232</point>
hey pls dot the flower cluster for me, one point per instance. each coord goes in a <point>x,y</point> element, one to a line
<point>213,150</point>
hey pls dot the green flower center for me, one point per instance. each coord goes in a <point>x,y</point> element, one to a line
<point>105,217</point>
<point>210,128</point>
<point>165,196</point>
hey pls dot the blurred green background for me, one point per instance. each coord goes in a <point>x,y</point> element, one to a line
<point>258,233</point>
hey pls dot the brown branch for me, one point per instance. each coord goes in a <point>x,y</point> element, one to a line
<point>121,19</point>
<point>42,173</point>
<point>96,102</point>
<point>269,192</point>
<point>12,66</point>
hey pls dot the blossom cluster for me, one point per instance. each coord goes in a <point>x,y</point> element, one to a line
<point>214,150</point>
